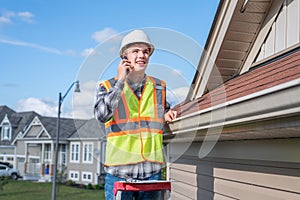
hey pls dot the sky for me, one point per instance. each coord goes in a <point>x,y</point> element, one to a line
<point>47,45</point>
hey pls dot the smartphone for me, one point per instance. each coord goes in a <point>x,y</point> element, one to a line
<point>125,58</point>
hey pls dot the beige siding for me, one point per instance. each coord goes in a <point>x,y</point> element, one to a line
<point>285,31</point>
<point>34,131</point>
<point>20,148</point>
<point>224,174</point>
<point>83,167</point>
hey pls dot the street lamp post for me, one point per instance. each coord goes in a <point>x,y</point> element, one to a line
<point>60,101</point>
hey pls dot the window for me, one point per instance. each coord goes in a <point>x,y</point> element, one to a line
<point>63,154</point>
<point>87,153</point>
<point>6,131</point>
<point>74,175</point>
<point>47,152</point>
<point>87,176</point>
<point>74,154</point>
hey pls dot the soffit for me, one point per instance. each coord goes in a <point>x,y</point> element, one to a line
<point>240,35</point>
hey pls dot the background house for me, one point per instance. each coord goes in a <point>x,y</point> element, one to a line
<point>35,148</point>
<point>238,132</point>
<point>28,143</point>
<point>12,124</point>
<point>87,147</point>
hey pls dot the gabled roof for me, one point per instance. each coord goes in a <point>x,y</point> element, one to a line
<point>283,69</point>
<point>232,96</point>
<point>232,35</point>
<point>19,121</point>
<point>4,110</point>
<point>68,126</point>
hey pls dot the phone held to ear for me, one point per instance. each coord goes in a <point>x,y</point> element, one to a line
<point>125,58</point>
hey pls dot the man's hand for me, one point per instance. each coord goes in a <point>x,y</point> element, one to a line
<point>124,65</point>
<point>170,115</point>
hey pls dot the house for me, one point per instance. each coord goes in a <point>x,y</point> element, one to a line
<point>12,124</point>
<point>237,135</point>
<point>87,151</point>
<point>28,142</point>
<point>35,148</point>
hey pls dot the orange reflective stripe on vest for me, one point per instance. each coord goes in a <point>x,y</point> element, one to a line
<point>134,133</point>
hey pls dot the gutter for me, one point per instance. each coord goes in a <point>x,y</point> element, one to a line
<point>230,117</point>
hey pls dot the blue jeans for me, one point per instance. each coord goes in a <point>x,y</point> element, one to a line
<point>109,187</point>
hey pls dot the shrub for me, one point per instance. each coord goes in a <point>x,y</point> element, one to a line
<point>97,187</point>
<point>70,183</point>
<point>3,181</point>
<point>89,186</point>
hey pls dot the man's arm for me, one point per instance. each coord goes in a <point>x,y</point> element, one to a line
<point>107,101</point>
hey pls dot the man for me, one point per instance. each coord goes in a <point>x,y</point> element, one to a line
<point>133,107</point>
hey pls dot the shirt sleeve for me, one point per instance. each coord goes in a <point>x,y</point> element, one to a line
<point>107,101</point>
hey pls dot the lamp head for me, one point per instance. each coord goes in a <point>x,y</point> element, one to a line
<point>77,88</point>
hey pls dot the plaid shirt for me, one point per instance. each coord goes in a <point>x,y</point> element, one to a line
<point>105,106</point>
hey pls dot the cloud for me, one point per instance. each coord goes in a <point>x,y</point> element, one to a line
<point>31,45</point>
<point>45,107</point>
<point>83,102</point>
<point>26,16</point>
<point>9,17</point>
<point>177,95</point>
<point>101,36</point>
<point>87,52</point>
<point>5,20</point>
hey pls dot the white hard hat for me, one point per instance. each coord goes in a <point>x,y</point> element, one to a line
<point>136,36</point>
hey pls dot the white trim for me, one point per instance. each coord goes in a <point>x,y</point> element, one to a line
<point>84,139</point>
<point>79,150</point>
<point>245,119</point>
<point>74,172</point>
<point>61,153</point>
<point>87,179</point>
<point>209,56</point>
<point>8,126</point>
<point>39,142</point>
<point>36,122</point>
<point>84,150</point>
<point>276,88</point>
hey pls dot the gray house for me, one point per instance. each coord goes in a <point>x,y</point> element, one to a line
<point>35,147</point>
<point>28,143</point>
<point>12,124</point>
<point>238,132</point>
<point>87,147</point>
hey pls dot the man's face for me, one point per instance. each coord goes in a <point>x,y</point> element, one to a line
<point>138,55</point>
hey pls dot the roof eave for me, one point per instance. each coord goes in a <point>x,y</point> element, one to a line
<point>248,110</point>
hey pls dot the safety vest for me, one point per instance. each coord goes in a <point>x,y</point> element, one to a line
<point>135,132</point>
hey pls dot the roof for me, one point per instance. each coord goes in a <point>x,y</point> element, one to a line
<point>68,126</point>
<point>278,71</point>
<point>90,130</point>
<point>260,104</point>
<point>19,121</point>
<point>235,28</point>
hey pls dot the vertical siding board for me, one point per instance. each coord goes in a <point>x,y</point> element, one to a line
<point>280,31</point>
<point>292,23</point>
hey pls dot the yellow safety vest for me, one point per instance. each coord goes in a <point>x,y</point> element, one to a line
<point>135,132</point>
